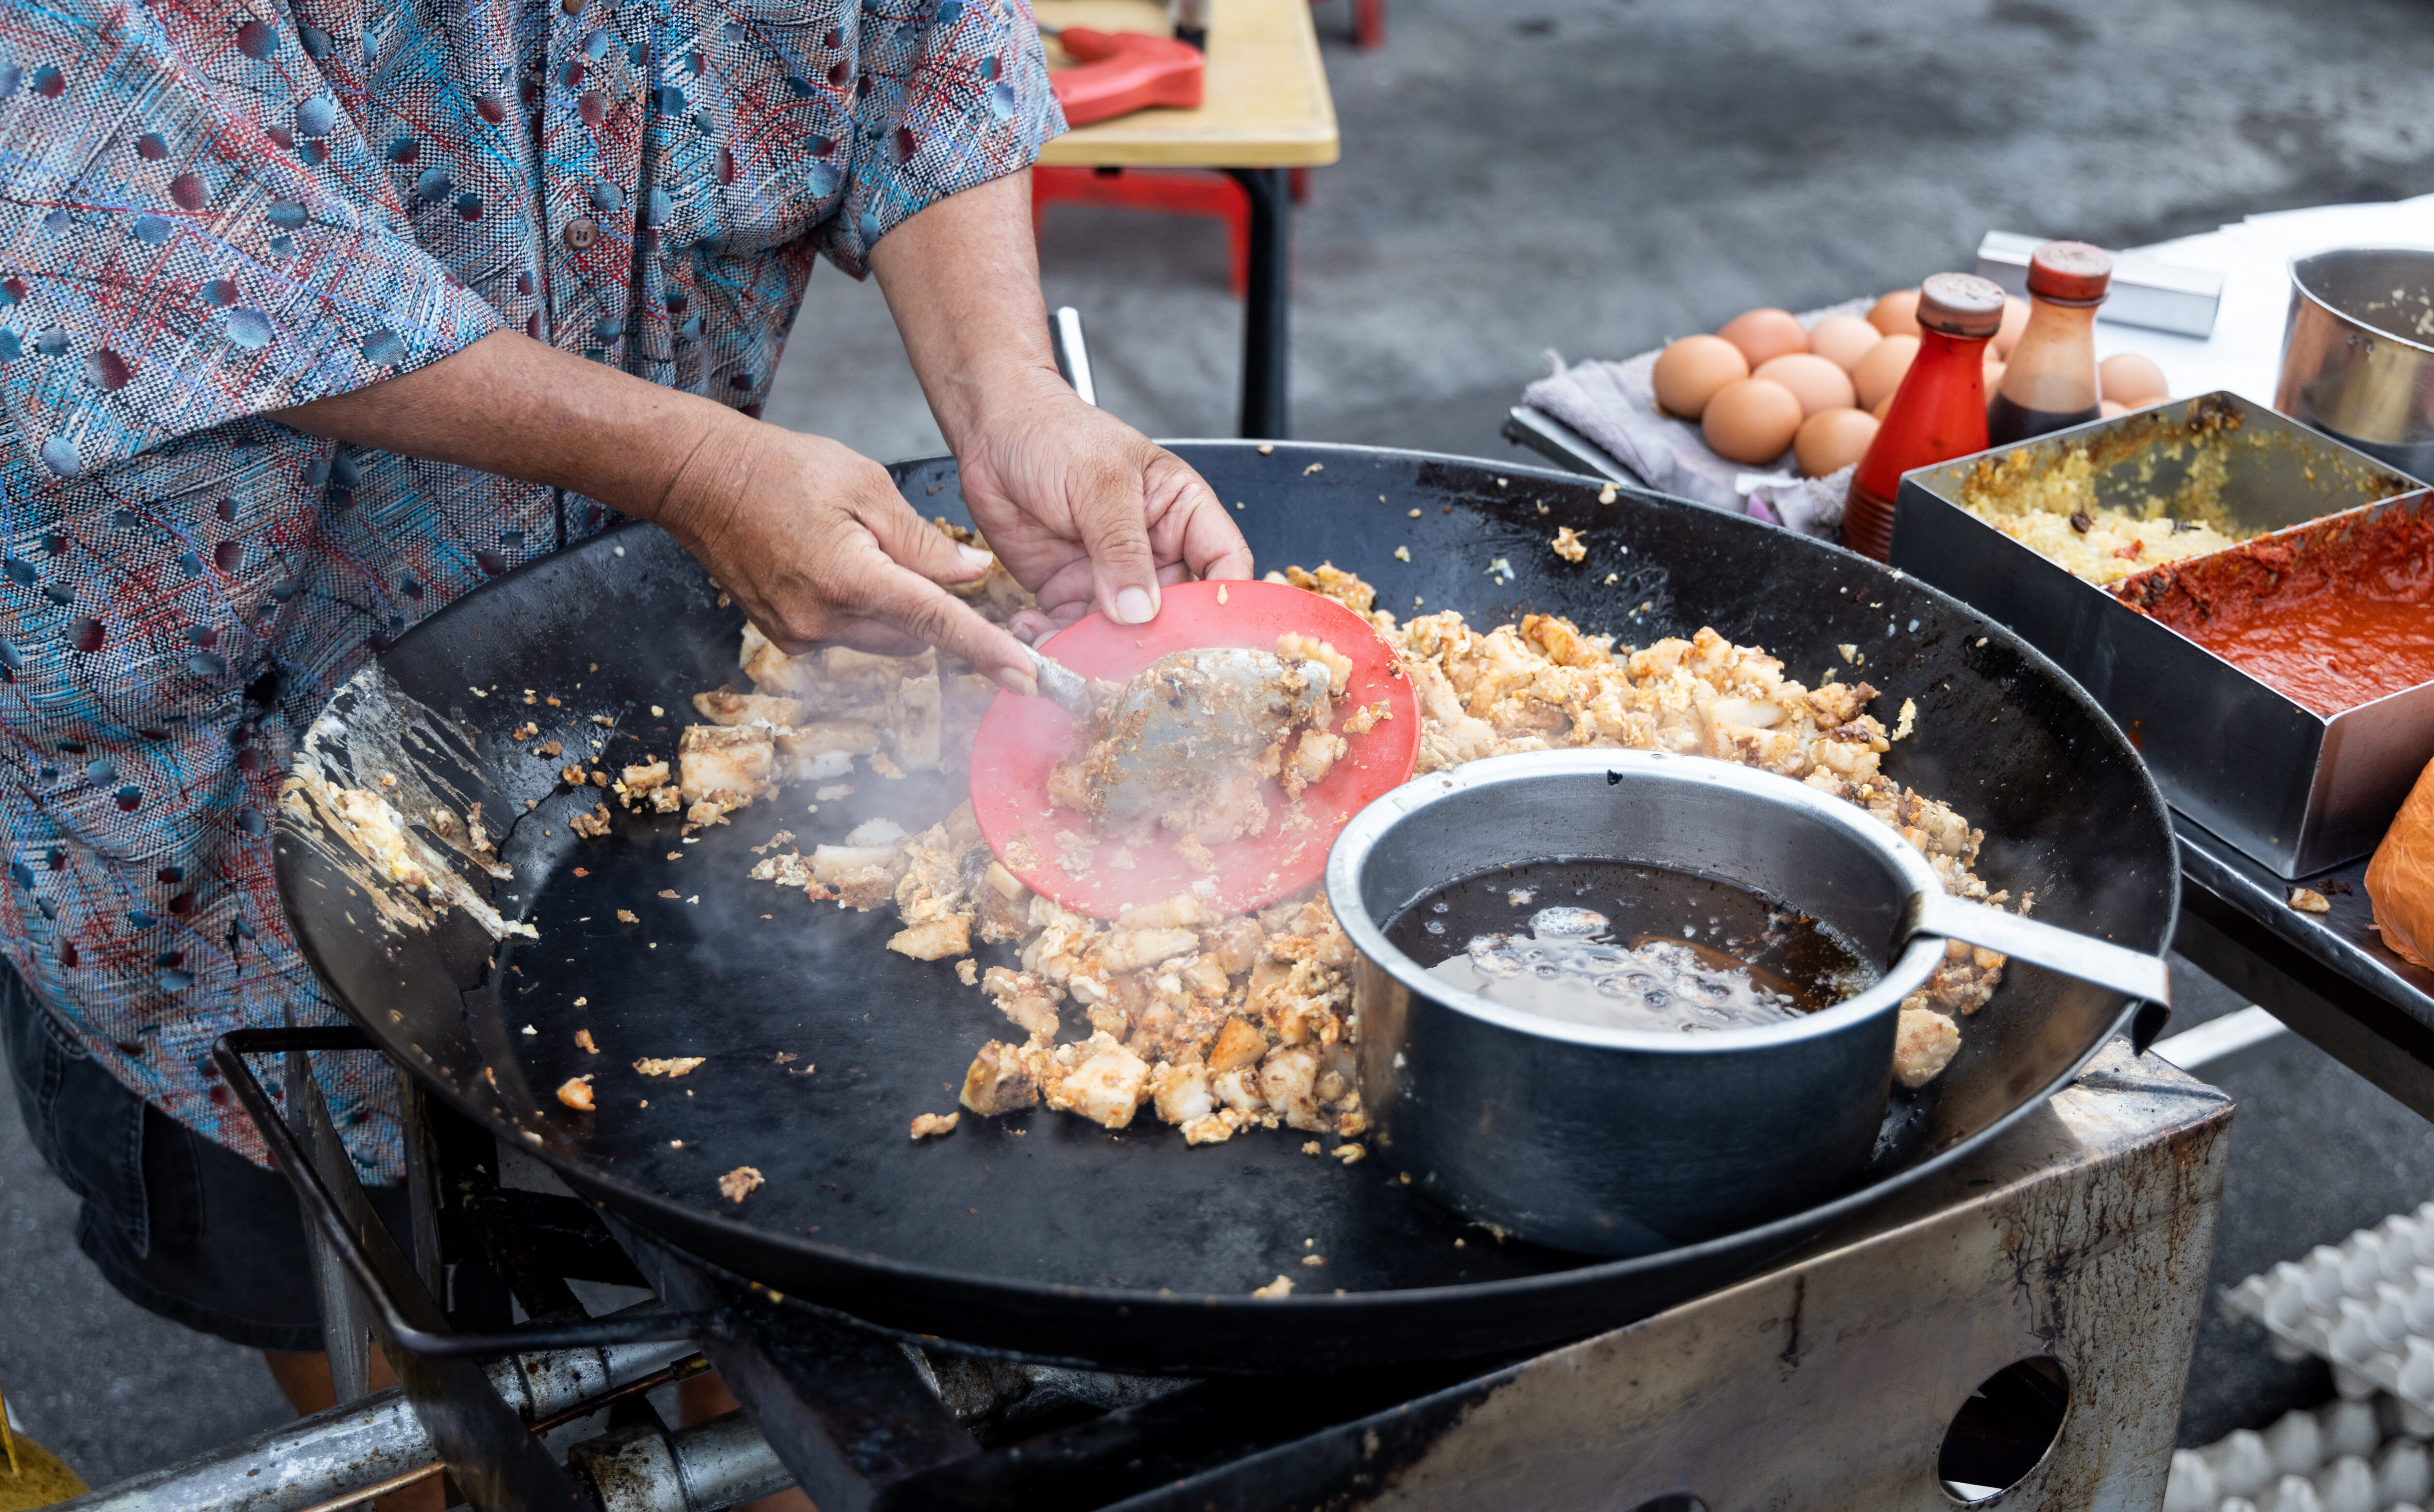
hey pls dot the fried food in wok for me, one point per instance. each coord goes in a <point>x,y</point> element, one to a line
<point>1220,1024</point>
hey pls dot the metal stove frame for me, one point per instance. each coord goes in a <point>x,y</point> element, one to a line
<point>1889,1364</point>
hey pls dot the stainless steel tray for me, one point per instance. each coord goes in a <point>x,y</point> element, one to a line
<point>2297,791</point>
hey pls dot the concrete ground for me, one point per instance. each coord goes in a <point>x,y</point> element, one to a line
<point>1590,176</point>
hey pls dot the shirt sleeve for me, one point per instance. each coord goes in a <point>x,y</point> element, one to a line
<point>949,104</point>
<point>192,230</point>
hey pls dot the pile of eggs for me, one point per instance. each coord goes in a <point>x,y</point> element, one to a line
<point>1763,385</point>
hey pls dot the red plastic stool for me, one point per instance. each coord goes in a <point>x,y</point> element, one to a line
<point>1166,190</point>
<point>1368,23</point>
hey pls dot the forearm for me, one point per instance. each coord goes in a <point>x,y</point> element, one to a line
<point>511,405</point>
<point>962,279</point>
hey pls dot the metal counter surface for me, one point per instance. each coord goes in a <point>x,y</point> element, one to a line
<point>2330,977</point>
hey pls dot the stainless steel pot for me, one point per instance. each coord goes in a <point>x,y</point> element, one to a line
<point>1619,1142</point>
<point>2358,355</point>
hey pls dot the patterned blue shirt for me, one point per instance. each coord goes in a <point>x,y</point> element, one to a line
<point>210,209</point>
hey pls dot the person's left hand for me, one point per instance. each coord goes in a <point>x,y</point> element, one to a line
<point>1086,511</point>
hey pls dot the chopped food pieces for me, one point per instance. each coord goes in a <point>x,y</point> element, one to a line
<point>728,765</point>
<point>647,786</point>
<point>1001,1080</point>
<point>626,916</point>
<point>723,707</point>
<point>1107,1082</point>
<point>576,1092</point>
<point>1924,1044</point>
<point>591,826</point>
<point>2047,498</point>
<point>1569,545</point>
<point>738,1183</point>
<point>928,1124</point>
<point>935,940</point>
<point>1226,1024</point>
<point>2307,900</point>
<point>1281,1287</point>
<point>583,1042</point>
<point>673,1067</point>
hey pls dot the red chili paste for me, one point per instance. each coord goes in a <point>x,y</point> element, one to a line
<point>2332,615</point>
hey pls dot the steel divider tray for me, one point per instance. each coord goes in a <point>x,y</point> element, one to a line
<point>2297,790</point>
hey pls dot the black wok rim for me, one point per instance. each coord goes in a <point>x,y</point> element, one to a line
<point>851,1271</point>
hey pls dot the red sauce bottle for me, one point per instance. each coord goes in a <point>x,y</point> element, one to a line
<point>2050,384</point>
<point>1938,413</point>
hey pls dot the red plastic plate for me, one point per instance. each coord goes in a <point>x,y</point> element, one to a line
<point>1022,737</point>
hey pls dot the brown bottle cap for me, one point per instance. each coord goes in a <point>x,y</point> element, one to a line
<point>1961,304</point>
<point>2072,272</point>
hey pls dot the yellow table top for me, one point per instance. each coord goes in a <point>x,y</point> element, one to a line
<point>1265,99</point>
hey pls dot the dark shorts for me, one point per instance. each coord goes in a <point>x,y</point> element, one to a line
<point>184,1226</point>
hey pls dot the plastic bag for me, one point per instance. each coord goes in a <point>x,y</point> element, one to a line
<point>2400,879</point>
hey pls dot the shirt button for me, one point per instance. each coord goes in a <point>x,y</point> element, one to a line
<point>581,233</point>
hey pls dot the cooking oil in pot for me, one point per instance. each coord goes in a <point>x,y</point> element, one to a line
<point>1629,946</point>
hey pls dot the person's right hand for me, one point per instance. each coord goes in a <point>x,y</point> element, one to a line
<point>815,543</point>
<point>813,540</point>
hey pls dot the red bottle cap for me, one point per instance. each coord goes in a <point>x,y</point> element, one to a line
<point>1961,304</point>
<point>2070,272</point>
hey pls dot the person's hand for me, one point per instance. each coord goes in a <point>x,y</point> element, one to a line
<point>815,543</point>
<point>1086,511</point>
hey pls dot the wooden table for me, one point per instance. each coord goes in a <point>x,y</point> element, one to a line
<point>1266,109</point>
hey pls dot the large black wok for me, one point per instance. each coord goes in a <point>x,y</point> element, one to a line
<point>1054,1237</point>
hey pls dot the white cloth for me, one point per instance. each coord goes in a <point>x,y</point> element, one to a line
<point>1614,404</point>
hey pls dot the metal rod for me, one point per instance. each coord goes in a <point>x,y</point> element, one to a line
<point>1073,353</point>
<point>228,1054</point>
<point>2219,1040</point>
<point>2085,957</point>
<point>683,1369</point>
<point>320,1463</point>
<point>357,1498</point>
<point>1266,346</point>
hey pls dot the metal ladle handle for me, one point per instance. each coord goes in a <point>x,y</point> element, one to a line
<point>2082,957</point>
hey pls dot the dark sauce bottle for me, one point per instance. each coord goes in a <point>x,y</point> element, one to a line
<point>2049,383</point>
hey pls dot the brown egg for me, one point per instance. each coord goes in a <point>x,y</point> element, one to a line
<point>2106,409</point>
<point>1881,408</point>
<point>1896,313</point>
<point>1689,371</point>
<point>2015,317</point>
<point>1842,339</point>
<point>1751,421</point>
<point>1764,333</point>
<point>1880,371</point>
<point>1831,440</point>
<point>1817,384</point>
<point>1995,372</point>
<point>2131,379</point>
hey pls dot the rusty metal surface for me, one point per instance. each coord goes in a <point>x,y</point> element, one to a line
<point>706,1467</point>
<point>1830,1382</point>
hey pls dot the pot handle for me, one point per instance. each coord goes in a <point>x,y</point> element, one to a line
<point>2090,960</point>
